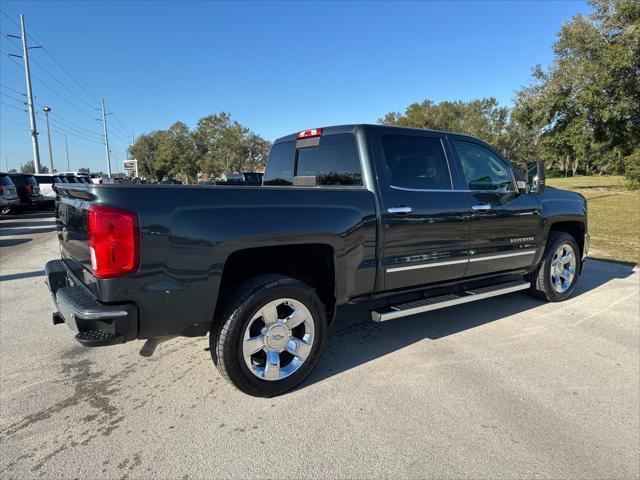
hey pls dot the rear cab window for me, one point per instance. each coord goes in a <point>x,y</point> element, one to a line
<point>327,160</point>
<point>5,180</point>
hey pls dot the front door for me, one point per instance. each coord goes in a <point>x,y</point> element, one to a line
<point>425,221</point>
<point>504,222</point>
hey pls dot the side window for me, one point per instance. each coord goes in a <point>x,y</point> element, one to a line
<point>280,164</point>
<point>334,161</point>
<point>416,162</point>
<point>483,169</point>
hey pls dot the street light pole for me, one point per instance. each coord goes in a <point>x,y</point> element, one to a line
<point>6,161</point>
<point>46,111</point>
<point>66,146</point>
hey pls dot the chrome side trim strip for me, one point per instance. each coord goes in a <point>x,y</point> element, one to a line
<point>382,317</point>
<point>438,190</point>
<point>503,255</point>
<point>426,265</point>
<point>455,262</point>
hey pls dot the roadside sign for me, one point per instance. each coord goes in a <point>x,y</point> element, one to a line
<point>131,167</point>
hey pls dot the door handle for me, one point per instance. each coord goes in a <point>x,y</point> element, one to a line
<point>481,208</point>
<point>400,210</point>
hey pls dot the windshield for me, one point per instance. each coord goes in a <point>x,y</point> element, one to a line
<point>5,180</point>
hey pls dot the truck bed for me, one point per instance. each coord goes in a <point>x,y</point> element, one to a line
<point>187,233</point>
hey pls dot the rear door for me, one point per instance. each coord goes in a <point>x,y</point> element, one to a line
<point>504,223</point>
<point>425,223</point>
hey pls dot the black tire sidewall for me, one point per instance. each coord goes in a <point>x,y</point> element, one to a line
<point>238,372</point>
<point>557,240</point>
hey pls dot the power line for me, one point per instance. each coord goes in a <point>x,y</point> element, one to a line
<point>12,89</point>
<point>62,67</point>
<point>9,105</point>
<point>72,125</point>
<point>124,129</point>
<point>14,122</point>
<point>56,79</point>
<point>16,129</point>
<point>71,132</point>
<point>19,100</point>
<point>123,136</point>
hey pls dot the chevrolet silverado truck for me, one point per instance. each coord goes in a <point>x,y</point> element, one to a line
<point>402,221</point>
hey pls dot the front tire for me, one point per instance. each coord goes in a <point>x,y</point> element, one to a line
<point>555,278</point>
<point>270,336</point>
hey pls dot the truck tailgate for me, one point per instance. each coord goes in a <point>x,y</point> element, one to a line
<point>71,224</point>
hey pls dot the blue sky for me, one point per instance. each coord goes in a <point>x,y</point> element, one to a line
<point>277,67</point>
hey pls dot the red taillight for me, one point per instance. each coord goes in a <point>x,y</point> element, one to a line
<point>1,190</point>
<point>314,132</point>
<point>27,188</point>
<point>114,241</point>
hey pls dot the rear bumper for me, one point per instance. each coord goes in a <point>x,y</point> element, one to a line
<point>96,324</point>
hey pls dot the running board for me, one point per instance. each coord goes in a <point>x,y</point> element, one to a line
<point>443,301</point>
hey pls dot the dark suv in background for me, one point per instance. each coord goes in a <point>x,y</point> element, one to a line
<point>8,193</point>
<point>28,190</point>
<point>242,178</point>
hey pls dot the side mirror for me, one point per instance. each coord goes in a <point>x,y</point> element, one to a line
<point>535,177</point>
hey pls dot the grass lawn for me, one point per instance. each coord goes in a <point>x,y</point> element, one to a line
<point>614,215</point>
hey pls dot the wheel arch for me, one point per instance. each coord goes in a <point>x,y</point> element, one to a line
<point>575,227</point>
<point>314,264</point>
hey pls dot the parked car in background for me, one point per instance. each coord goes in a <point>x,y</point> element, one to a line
<point>170,181</point>
<point>46,182</point>
<point>8,193</point>
<point>28,190</point>
<point>111,181</point>
<point>206,181</point>
<point>242,178</point>
<point>70,177</point>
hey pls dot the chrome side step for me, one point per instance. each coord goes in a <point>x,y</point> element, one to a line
<point>443,301</point>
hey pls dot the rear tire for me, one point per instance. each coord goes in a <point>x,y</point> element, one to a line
<point>270,336</point>
<point>557,274</point>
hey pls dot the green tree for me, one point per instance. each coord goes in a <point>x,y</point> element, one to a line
<point>586,105</point>
<point>223,146</point>
<point>218,145</point>
<point>30,168</point>
<point>144,150</point>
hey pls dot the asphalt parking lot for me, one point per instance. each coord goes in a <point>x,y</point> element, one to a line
<point>506,387</point>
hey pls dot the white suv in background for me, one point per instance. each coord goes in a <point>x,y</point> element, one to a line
<point>46,181</point>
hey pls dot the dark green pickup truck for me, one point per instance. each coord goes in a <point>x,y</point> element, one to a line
<point>400,220</point>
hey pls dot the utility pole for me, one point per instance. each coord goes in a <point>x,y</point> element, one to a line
<point>46,111</point>
<point>6,161</point>
<point>106,139</point>
<point>32,113</point>
<point>66,146</point>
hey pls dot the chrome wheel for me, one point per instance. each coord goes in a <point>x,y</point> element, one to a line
<point>563,268</point>
<point>278,339</point>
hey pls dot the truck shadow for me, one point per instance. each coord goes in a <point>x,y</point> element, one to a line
<point>354,339</point>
